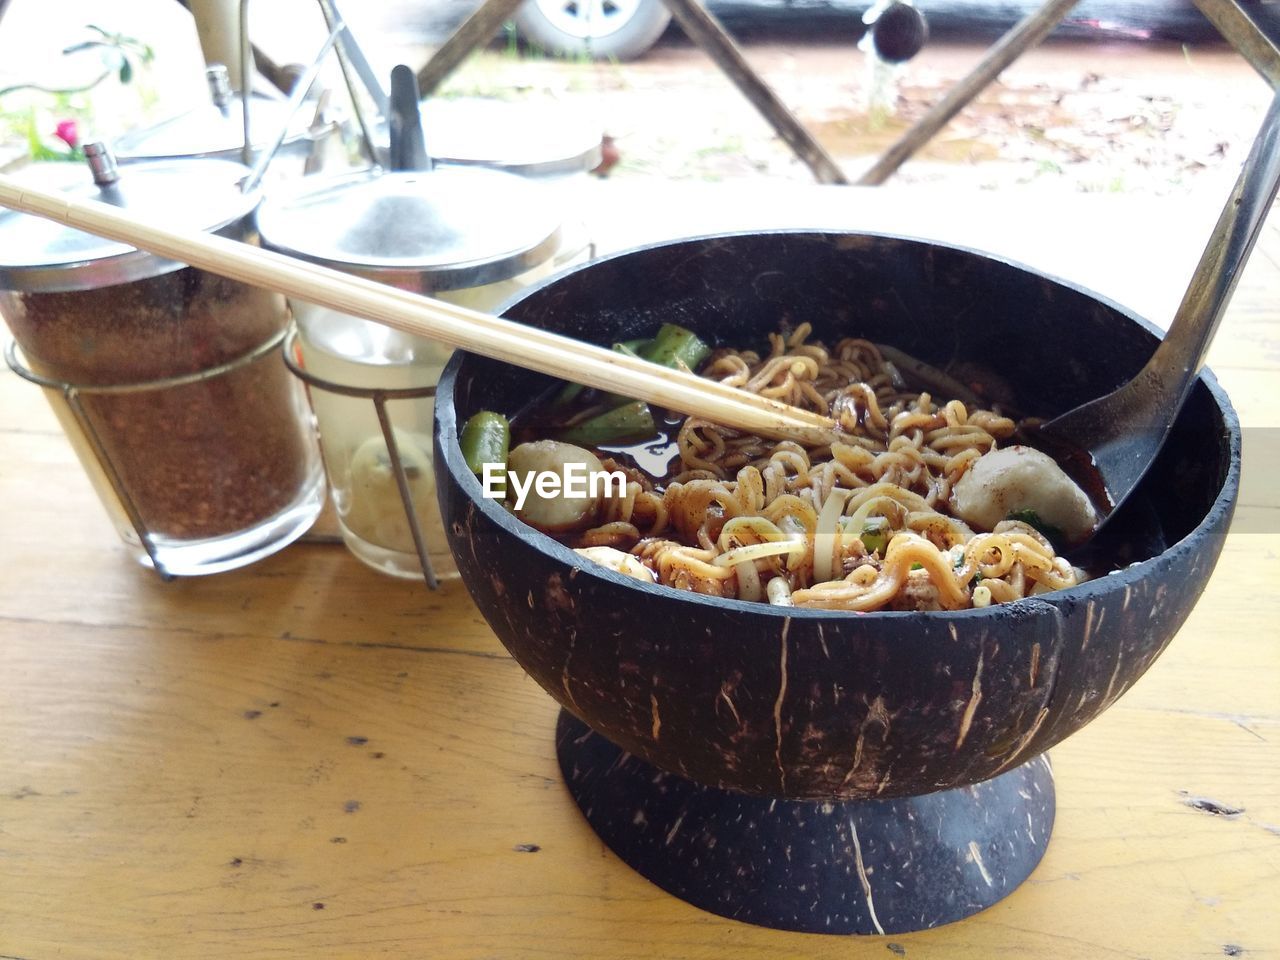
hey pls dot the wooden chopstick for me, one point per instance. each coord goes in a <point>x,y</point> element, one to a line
<point>497,326</point>
<point>449,324</point>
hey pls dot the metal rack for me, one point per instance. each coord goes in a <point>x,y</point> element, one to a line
<point>379,398</point>
<point>73,393</point>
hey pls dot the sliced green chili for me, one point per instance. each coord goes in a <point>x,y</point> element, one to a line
<point>674,345</point>
<point>875,535</point>
<point>485,438</point>
<point>625,424</point>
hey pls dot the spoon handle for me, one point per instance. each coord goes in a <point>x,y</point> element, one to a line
<point>1181,353</point>
<point>408,149</point>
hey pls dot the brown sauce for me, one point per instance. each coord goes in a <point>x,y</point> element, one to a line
<point>657,457</point>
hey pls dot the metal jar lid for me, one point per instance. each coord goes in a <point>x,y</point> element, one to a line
<point>38,255</point>
<point>216,129</point>
<point>450,228</point>
<point>530,139</point>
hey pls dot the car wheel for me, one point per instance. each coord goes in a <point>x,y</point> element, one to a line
<point>600,29</point>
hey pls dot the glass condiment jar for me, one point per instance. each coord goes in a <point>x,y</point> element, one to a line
<point>215,130</point>
<point>467,236</point>
<point>167,379</point>
<point>543,141</point>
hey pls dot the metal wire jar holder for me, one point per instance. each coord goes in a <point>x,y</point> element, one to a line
<point>72,393</point>
<point>379,396</point>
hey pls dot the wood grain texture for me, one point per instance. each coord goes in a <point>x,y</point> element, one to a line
<point>304,759</point>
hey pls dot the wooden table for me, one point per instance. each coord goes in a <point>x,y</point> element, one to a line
<point>305,759</point>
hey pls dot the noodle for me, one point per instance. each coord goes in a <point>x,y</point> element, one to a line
<point>861,524</point>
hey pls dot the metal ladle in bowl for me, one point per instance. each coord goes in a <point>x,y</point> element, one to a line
<point>1124,430</point>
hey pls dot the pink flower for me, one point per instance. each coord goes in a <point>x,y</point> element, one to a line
<point>68,133</point>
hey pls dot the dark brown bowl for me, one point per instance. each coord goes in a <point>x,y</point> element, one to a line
<point>811,704</point>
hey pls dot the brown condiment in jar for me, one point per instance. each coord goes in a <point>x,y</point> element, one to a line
<point>204,433</point>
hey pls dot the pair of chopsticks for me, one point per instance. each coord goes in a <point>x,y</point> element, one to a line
<point>446,323</point>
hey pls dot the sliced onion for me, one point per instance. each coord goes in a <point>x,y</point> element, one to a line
<point>755,551</point>
<point>779,591</point>
<point>795,531</point>
<point>758,528</point>
<point>797,559</point>
<point>748,582</point>
<point>824,537</point>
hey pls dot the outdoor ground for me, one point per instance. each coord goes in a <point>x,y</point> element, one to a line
<point>1154,119</point>
<point>1149,118</point>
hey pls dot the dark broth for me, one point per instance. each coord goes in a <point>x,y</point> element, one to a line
<point>657,457</point>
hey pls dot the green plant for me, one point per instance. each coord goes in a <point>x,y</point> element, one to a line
<point>120,51</point>
<point>31,108</point>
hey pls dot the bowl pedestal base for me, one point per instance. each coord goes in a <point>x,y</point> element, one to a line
<point>879,866</point>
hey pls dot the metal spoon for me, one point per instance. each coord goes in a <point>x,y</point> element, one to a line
<point>1124,430</point>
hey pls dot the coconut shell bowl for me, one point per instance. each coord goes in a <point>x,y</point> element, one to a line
<point>822,771</point>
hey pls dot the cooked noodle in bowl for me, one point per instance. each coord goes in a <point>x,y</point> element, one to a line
<point>874,519</point>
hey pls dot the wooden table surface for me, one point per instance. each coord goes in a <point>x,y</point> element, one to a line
<point>305,759</point>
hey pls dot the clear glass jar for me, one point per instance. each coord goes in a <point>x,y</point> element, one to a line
<point>220,470</point>
<point>470,236</point>
<point>352,352</point>
<point>168,380</point>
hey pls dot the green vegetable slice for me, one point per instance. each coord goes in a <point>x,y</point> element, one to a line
<point>625,424</point>
<point>675,346</point>
<point>485,438</point>
<point>571,391</point>
<point>875,535</point>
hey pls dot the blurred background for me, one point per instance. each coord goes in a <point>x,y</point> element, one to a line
<point>1132,96</point>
